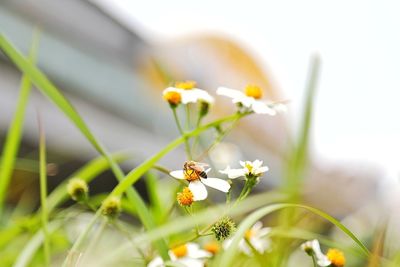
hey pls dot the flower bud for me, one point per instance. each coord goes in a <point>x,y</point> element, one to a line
<point>203,110</point>
<point>77,189</point>
<point>223,228</point>
<point>111,207</point>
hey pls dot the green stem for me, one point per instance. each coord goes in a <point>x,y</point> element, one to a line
<point>43,193</point>
<point>75,248</point>
<point>178,124</point>
<point>314,260</point>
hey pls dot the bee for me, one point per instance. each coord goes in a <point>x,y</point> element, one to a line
<point>194,170</point>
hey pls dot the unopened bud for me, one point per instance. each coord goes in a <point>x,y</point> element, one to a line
<point>111,207</point>
<point>78,189</point>
<point>223,228</point>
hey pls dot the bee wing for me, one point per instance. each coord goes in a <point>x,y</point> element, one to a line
<point>198,168</point>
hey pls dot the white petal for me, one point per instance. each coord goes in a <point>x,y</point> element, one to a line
<point>264,231</point>
<point>216,183</point>
<point>257,226</point>
<point>203,95</point>
<point>243,163</point>
<point>323,261</point>
<point>230,92</point>
<point>198,189</point>
<point>261,245</point>
<point>189,97</point>
<point>178,174</point>
<point>195,252</point>
<point>233,173</point>
<point>257,163</point>
<point>261,170</point>
<point>188,262</point>
<point>262,108</point>
<point>157,262</point>
<point>279,107</point>
<point>245,101</point>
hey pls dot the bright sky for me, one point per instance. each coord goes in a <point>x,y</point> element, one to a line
<point>358,102</point>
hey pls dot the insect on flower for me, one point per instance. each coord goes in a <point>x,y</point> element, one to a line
<point>195,169</point>
<point>196,174</point>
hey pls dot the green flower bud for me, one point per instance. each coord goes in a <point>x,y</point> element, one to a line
<point>77,189</point>
<point>203,110</point>
<point>111,207</point>
<point>223,228</point>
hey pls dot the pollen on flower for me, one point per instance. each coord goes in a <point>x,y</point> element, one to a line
<point>186,85</point>
<point>212,247</point>
<point>336,257</point>
<point>253,91</point>
<point>249,167</point>
<point>185,198</point>
<point>180,251</point>
<point>249,234</point>
<point>174,98</point>
<point>191,175</point>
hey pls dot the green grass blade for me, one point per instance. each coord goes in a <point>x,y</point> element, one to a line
<point>155,200</point>
<point>14,134</point>
<point>298,158</point>
<point>43,192</point>
<point>228,256</point>
<point>29,251</point>
<point>51,91</point>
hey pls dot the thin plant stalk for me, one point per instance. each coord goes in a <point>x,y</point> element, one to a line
<point>43,192</point>
<point>75,248</point>
<point>178,124</point>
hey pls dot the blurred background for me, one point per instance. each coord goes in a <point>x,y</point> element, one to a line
<point>112,59</point>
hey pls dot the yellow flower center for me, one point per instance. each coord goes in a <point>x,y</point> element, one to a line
<point>249,167</point>
<point>212,247</point>
<point>249,234</point>
<point>186,85</point>
<point>180,251</point>
<point>185,198</point>
<point>172,97</point>
<point>253,91</point>
<point>336,257</point>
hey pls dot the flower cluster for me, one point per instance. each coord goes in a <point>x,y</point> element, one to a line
<point>248,101</point>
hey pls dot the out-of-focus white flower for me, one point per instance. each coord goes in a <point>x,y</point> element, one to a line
<point>188,93</point>
<point>313,247</point>
<point>189,255</point>
<point>257,236</point>
<point>254,169</point>
<point>250,100</point>
<point>197,183</point>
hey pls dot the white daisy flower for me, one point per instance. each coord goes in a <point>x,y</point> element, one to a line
<point>314,247</point>
<point>188,93</point>
<point>189,255</point>
<point>254,169</point>
<point>250,100</point>
<point>257,236</point>
<point>197,182</point>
